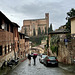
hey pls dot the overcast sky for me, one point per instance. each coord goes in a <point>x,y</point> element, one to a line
<point>19,10</point>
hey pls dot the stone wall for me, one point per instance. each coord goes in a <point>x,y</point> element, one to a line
<point>66,54</point>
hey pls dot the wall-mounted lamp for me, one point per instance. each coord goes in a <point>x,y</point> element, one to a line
<point>3,26</point>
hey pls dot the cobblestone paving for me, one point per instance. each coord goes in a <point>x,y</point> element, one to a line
<point>39,69</point>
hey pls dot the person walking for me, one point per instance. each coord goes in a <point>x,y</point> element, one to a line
<point>34,58</point>
<point>29,57</point>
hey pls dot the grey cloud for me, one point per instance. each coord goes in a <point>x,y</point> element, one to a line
<point>22,9</point>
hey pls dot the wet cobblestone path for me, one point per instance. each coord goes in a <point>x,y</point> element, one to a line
<point>38,69</point>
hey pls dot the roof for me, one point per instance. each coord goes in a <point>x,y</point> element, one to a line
<point>72,17</point>
<point>34,19</point>
<point>7,20</point>
<point>61,31</point>
<point>21,33</point>
<point>4,17</point>
<point>62,26</point>
<point>15,24</point>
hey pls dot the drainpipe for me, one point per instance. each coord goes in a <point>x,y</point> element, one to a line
<point>14,44</point>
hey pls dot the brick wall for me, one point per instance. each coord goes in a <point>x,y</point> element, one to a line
<point>22,48</point>
<point>36,23</point>
<point>5,37</point>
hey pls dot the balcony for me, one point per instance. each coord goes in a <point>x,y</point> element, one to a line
<point>5,37</point>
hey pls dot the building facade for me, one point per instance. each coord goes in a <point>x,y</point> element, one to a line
<point>16,39</point>
<point>6,39</point>
<point>30,25</point>
<point>73,26</point>
<point>21,45</point>
<point>27,45</point>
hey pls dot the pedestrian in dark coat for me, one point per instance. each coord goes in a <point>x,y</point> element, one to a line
<point>34,58</point>
<point>29,57</point>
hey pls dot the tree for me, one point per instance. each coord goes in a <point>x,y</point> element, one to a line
<point>34,32</point>
<point>45,30</point>
<point>42,32</point>
<point>25,31</point>
<point>50,28</point>
<point>39,31</point>
<point>47,44</point>
<point>71,13</point>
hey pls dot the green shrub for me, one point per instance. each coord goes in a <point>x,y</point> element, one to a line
<point>54,49</point>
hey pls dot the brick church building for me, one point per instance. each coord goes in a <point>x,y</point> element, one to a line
<point>32,24</point>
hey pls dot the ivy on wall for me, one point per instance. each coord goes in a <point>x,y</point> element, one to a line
<point>54,43</point>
